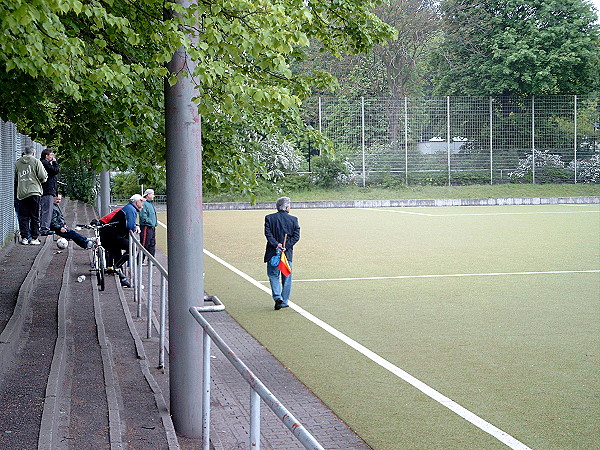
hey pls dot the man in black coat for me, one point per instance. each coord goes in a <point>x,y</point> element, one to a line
<point>279,227</point>
<point>50,189</point>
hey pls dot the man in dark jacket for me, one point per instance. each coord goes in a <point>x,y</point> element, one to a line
<point>59,226</point>
<point>279,227</point>
<point>50,189</point>
<point>116,237</point>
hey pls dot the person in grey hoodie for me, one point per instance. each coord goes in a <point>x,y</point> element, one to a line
<point>29,176</point>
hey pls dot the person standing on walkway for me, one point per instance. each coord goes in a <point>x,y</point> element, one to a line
<point>59,226</point>
<point>50,189</point>
<point>116,237</point>
<point>148,222</point>
<point>279,227</point>
<point>29,176</point>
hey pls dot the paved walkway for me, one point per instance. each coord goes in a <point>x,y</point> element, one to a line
<point>76,369</point>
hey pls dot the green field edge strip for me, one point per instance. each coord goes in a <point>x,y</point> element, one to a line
<point>408,203</point>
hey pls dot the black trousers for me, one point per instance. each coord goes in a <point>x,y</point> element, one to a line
<point>148,238</point>
<point>117,249</point>
<point>29,217</point>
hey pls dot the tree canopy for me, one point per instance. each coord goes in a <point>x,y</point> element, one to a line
<point>518,47</point>
<point>87,76</point>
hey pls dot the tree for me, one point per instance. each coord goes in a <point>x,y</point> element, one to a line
<point>518,47</point>
<point>88,76</point>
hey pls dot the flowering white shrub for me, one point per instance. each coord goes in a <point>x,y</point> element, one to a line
<point>588,170</point>
<point>543,160</point>
<point>277,158</point>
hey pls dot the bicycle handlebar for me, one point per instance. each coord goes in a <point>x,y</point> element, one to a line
<point>94,226</point>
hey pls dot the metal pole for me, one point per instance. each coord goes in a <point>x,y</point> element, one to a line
<point>491,144</point>
<point>163,324</point>
<point>320,116</point>
<point>206,393</point>
<point>254,419</point>
<point>448,133</point>
<point>362,115</point>
<point>149,301</point>
<point>575,138</point>
<point>406,140</point>
<point>185,241</point>
<point>138,280</point>
<point>533,138</point>
<point>104,193</point>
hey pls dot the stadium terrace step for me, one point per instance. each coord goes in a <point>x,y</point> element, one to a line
<point>69,375</point>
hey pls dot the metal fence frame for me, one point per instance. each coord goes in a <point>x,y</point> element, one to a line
<point>12,144</point>
<point>454,138</point>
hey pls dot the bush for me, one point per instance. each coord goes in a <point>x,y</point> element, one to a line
<point>330,171</point>
<point>588,170</point>
<point>549,168</point>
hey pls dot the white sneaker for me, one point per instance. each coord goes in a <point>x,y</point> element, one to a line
<point>25,241</point>
<point>35,242</point>
<point>89,244</point>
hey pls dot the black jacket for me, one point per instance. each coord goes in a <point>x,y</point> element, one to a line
<point>50,187</point>
<point>277,225</point>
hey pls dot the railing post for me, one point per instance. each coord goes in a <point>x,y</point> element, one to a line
<point>254,419</point>
<point>138,280</point>
<point>163,319</point>
<point>149,300</point>
<point>206,392</point>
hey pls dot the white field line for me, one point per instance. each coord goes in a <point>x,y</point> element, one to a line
<point>491,274</point>
<point>399,211</point>
<point>497,433</point>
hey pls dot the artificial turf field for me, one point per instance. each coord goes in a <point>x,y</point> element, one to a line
<point>493,310</point>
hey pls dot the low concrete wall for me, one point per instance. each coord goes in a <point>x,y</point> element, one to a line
<point>412,203</point>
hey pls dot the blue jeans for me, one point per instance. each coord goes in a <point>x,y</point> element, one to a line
<point>281,286</point>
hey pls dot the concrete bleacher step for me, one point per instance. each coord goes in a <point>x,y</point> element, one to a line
<point>71,373</point>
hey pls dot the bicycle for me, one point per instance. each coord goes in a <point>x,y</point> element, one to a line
<point>98,261</point>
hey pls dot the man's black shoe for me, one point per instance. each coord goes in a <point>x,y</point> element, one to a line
<point>47,233</point>
<point>278,304</point>
<point>125,283</point>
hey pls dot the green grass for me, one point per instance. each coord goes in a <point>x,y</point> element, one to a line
<point>422,192</point>
<point>520,351</point>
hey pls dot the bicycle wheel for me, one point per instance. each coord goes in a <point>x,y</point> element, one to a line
<point>100,267</point>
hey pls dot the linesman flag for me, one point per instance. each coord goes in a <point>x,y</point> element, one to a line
<point>283,266</point>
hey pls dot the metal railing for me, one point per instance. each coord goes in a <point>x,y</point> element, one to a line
<point>257,389</point>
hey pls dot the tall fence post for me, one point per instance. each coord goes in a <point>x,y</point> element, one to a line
<point>491,143</point>
<point>533,137</point>
<point>362,115</point>
<point>575,138</point>
<point>406,140</point>
<point>320,117</point>
<point>448,135</point>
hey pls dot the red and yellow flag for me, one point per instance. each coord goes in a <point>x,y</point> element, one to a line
<point>283,266</point>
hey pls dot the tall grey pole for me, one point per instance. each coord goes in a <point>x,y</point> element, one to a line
<point>104,192</point>
<point>185,241</point>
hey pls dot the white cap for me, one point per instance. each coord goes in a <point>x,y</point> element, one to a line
<point>148,191</point>
<point>136,197</point>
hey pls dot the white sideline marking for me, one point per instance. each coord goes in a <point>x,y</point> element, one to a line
<point>492,274</point>
<point>480,214</point>
<point>502,436</point>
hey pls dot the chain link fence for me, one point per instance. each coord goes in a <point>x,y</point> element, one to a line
<point>463,140</point>
<point>12,145</point>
